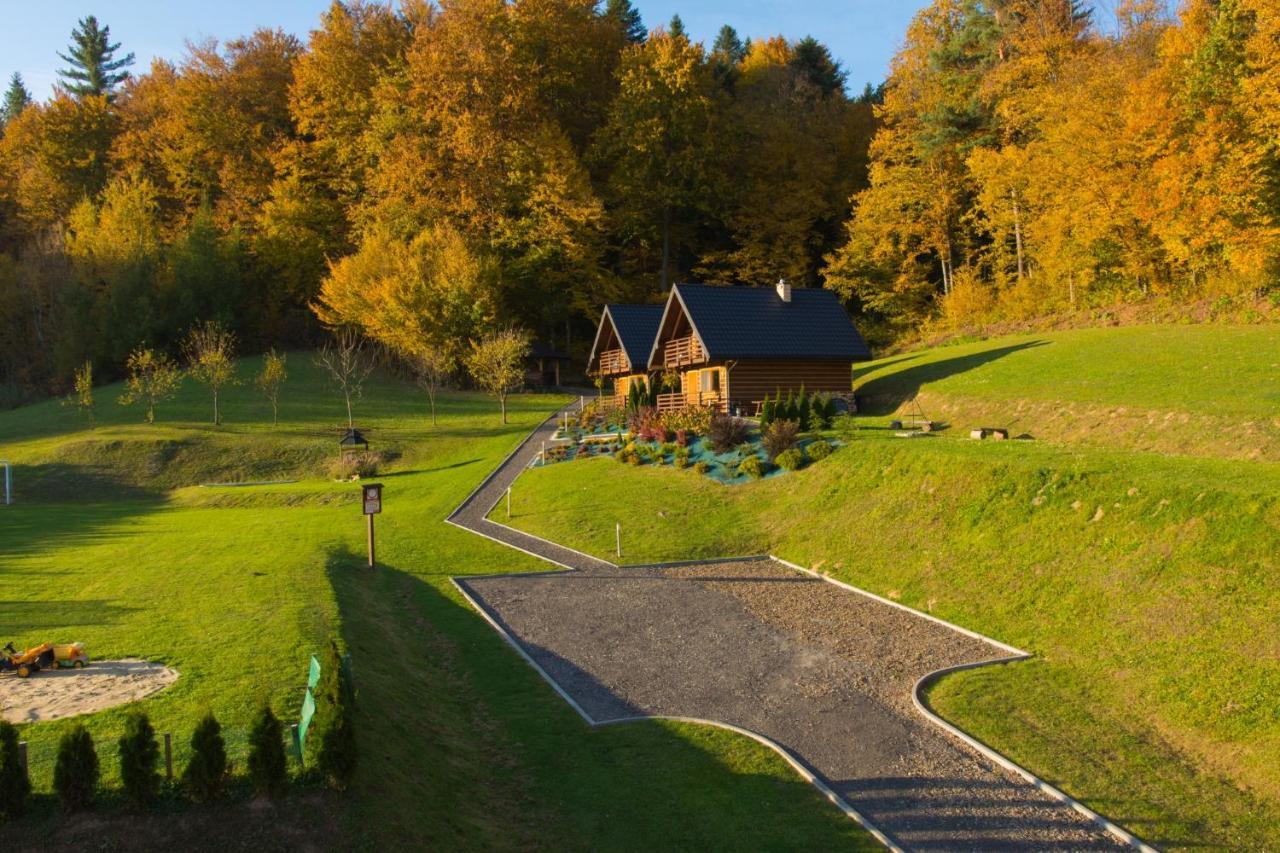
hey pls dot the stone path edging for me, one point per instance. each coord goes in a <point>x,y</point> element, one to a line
<point>1013,655</point>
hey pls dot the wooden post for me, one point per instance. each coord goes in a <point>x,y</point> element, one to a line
<point>168,756</point>
<point>617,532</point>
<point>293,739</point>
<point>369,516</point>
<point>22,754</point>
<point>508,503</point>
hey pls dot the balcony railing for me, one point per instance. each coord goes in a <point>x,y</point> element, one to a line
<point>676,402</point>
<point>682,351</point>
<point>613,361</point>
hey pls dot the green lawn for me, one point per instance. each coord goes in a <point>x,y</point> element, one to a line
<point>113,541</point>
<point>1146,585</point>
<point>1199,390</point>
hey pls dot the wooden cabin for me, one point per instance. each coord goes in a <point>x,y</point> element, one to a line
<point>620,354</point>
<point>733,345</point>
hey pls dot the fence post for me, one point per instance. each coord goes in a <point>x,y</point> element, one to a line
<point>508,503</point>
<point>297,745</point>
<point>542,457</point>
<point>617,531</point>
<point>22,755</point>
<point>8,483</point>
<point>168,756</point>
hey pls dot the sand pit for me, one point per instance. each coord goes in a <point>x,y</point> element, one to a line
<point>56,693</point>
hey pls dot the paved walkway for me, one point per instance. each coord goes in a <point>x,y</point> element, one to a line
<point>825,673</point>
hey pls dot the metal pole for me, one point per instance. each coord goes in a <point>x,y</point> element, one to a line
<point>617,532</point>
<point>508,503</point>
<point>370,517</point>
<point>168,756</point>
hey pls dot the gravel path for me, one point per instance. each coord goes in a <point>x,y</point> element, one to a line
<point>826,673</point>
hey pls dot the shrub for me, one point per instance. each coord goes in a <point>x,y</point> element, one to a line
<point>682,462</point>
<point>139,760</point>
<point>348,466</point>
<point>780,437</point>
<point>634,459</point>
<point>337,759</point>
<point>647,425</point>
<point>682,438</point>
<point>75,776</point>
<point>669,447</point>
<point>206,772</point>
<point>681,452</point>
<point>727,432</point>
<point>824,409</point>
<point>803,410</point>
<point>694,420</point>
<point>701,467</point>
<point>15,787</point>
<point>791,460</point>
<point>267,768</point>
<point>751,467</point>
<point>820,450</point>
<point>845,425</point>
<point>768,411</point>
<point>789,410</point>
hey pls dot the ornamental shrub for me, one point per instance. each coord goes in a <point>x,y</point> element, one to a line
<point>682,438</point>
<point>803,410</point>
<point>768,410</point>
<point>337,759</point>
<point>701,466</point>
<point>681,462</point>
<point>15,787</point>
<point>727,432</point>
<point>206,772</point>
<point>75,776</point>
<point>780,437</point>
<point>789,410</point>
<point>139,760</point>
<point>751,467</point>
<point>820,450</point>
<point>791,460</point>
<point>267,768</point>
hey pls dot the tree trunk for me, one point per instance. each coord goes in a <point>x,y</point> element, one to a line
<point>431,395</point>
<point>350,421</point>
<point>502,401</point>
<point>1017,234</point>
<point>275,412</point>
<point>216,418</point>
<point>666,247</point>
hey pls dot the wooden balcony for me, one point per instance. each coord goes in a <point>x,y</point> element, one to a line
<point>681,351</point>
<point>676,402</point>
<point>613,362</point>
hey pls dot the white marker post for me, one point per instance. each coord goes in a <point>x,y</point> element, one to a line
<point>508,503</point>
<point>8,483</point>
<point>617,532</point>
<point>542,457</point>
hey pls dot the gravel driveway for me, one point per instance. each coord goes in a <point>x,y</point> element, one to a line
<point>826,673</point>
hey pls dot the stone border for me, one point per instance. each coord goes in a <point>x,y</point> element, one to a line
<point>794,762</point>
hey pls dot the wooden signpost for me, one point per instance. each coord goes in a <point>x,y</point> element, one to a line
<point>372,504</point>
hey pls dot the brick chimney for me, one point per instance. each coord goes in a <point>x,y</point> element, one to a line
<point>784,290</point>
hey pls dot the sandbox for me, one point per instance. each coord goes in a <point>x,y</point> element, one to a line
<point>57,693</point>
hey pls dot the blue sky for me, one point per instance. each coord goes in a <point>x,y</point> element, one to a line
<point>863,34</point>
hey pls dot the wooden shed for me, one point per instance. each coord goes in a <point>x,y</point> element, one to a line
<point>542,365</point>
<point>733,345</point>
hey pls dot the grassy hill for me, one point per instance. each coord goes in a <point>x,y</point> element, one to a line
<point>118,540</point>
<point>1145,582</point>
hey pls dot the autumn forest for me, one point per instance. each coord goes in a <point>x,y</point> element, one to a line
<point>427,171</point>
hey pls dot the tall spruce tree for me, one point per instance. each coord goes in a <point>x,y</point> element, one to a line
<point>16,99</point>
<point>627,19</point>
<point>94,69</point>
<point>676,28</point>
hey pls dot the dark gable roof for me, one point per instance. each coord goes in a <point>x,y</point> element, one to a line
<point>754,322</point>
<point>542,349</point>
<point>637,326</point>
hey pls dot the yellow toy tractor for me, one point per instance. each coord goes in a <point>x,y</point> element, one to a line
<point>43,656</point>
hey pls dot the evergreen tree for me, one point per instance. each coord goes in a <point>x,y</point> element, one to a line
<point>75,775</point>
<point>268,768</point>
<point>729,46</point>
<point>139,760</point>
<point>15,788</point>
<point>94,69</point>
<point>814,62</point>
<point>207,770</point>
<point>16,99</point>
<point>676,28</point>
<point>627,18</point>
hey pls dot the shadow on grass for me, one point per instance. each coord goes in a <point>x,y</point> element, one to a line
<point>463,745</point>
<point>55,482</point>
<point>884,394</point>
<point>28,616</point>
<point>34,528</point>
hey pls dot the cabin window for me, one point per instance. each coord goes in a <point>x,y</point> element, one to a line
<point>710,380</point>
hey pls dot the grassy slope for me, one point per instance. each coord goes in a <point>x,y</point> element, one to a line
<point>1202,390</point>
<point>113,542</point>
<point>1145,584</point>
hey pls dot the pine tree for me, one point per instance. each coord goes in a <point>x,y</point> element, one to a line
<point>94,69</point>
<point>16,99</point>
<point>15,788</point>
<point>207,770</point>
<point>268,769</point>
<point>627,18</point>
<point>676,28</point>
<point>139,759</point>
<point>814,61</point>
